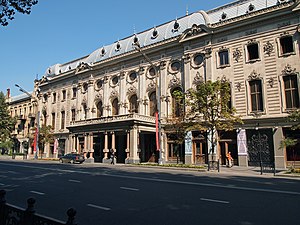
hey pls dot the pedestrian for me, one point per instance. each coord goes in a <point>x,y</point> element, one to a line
<point>229,159</point>
<point>112,156</point>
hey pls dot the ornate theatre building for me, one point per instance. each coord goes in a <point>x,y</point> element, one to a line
<point>107,100</point>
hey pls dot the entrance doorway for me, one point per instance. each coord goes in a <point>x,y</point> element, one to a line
<point>148,148</point>
<point>228,143</point>
<point>98,147</point>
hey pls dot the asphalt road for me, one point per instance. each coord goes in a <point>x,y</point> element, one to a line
<point>121,195</point>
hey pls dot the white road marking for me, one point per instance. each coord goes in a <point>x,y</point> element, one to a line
<point>99,207</point>
<point>75,181</point>
<point>2,184</point>
<point>266,190</point>
<point>37,192</point>
<point>213,200</point>
<point>129,189</point>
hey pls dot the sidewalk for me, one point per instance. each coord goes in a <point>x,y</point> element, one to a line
<point>233,171</point>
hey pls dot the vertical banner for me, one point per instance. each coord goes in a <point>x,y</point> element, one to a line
<point>242,142</point>
<point>157,132</point>
<point>35,140</point>
<point>188,143</point>
<point>55,146</point>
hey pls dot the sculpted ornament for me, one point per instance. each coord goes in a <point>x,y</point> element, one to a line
<point>174,82</point>
<point>237,54</point>
<point>151,87</point>
<point>114,94</point>
<point>83,66</point>
<point>131,91</point>
<point>288,70</point>
<point>254,75</point>
<point>268,48</point>
<point>198,79</point>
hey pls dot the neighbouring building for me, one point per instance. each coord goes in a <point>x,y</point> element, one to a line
<point>24,108</point>
<point>107,100</point>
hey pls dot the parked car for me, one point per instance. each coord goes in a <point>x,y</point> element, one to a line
<point>72,158</point>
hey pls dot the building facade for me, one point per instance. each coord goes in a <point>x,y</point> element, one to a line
<point>106,101</point>
<point>24,108</point>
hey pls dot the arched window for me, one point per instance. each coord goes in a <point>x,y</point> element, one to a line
<point>133,104</point>
<point>115,107</point>
<point>177,102</point>
<point>153,103</point>
<point>99,109</point>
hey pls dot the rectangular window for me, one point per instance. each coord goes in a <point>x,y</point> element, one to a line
<point>256,96</point>
<point>54,97</point>
<point>62,124</point>
<point>224,58</point>
<point>74,92</point>
<point>286,45</point>
<point>64,95</point>
<point>53,120</point>
<point>252,51</point>
<point>73,115</point>
<point>291,92</point>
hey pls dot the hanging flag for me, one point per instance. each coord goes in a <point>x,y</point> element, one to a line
<point>157,132</point>
<point>35,140</point>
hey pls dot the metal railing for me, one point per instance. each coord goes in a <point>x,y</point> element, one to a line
<point>14,215</point>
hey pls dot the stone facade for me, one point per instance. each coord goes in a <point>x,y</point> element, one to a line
<point>106,101</point>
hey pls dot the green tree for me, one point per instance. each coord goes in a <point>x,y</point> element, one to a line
<point>209,109</point>
<point>45,136</point>
<point>294,117</point>
<point>289,143</point>
<point>8,8</point>
<point>7,124</point>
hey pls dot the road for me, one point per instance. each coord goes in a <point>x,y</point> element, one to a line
<point>122,195</point>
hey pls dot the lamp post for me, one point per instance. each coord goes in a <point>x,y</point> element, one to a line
<point>158,94</point>
<point>36,147</point>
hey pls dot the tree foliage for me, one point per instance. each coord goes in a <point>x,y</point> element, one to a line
<point>209,106</point>
<point>7,123</point>
<point>45,136</point>
<point>294,117</point>
<point>8,8</point>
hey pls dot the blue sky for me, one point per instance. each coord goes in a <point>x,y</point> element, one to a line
<point>58,31</point>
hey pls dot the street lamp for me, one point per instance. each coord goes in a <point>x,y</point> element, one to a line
<point>158,94</point>
<point>36,147</point>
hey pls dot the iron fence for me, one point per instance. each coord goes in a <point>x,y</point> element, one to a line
<point>14,215</point>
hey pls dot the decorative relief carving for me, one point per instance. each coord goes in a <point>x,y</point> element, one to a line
<point>82,66</point>
<point>186,58</point>
<point>131,91</point>
<point>198,79</point>
<point>237,54</point>
<point>98,97</point>
<point>268,48</point>
<point>141,70</point>
<point>114,94</point>
<point>254,75</point>
<point>162,65</point>
<point>174,82</point>
<point>194,30</point>
<point>238,86</point>
<point>288,70</point>
<point>151,87</point>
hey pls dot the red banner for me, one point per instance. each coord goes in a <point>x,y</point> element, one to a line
<point>157,132</point>
<point>35,140</point>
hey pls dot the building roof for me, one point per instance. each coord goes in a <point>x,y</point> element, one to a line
<point>167,31</point>
<point>21,97</point>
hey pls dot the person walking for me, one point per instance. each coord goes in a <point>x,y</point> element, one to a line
<point>112,156</point>
<point>229,159</point>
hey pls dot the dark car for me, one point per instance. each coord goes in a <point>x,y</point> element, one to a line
<point>72,158</point>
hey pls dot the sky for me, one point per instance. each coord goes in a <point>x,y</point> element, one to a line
<point>59,31</point>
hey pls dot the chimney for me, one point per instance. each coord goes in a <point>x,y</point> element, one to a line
<point>8,93</point>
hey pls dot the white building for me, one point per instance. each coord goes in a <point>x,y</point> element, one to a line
<point>107,99</point>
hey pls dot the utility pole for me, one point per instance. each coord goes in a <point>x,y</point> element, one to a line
<point>158,94</point>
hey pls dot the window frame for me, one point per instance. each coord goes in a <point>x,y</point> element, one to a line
<point>279,46</point>
<point>259,96</point>
<point>219,59</point>
<point>247,52</point>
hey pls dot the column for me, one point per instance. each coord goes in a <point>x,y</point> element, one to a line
<point>134,157</point>
<point>105,150</point>
<point>91,147</point>
<point>127,147</point>
<point>85,145</point>
<point>242,147</point>
<point>113,141</point>
<point>90,97</point>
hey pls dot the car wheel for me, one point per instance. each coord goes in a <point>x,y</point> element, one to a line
<point>60,160</point>
<point>72,161</point>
